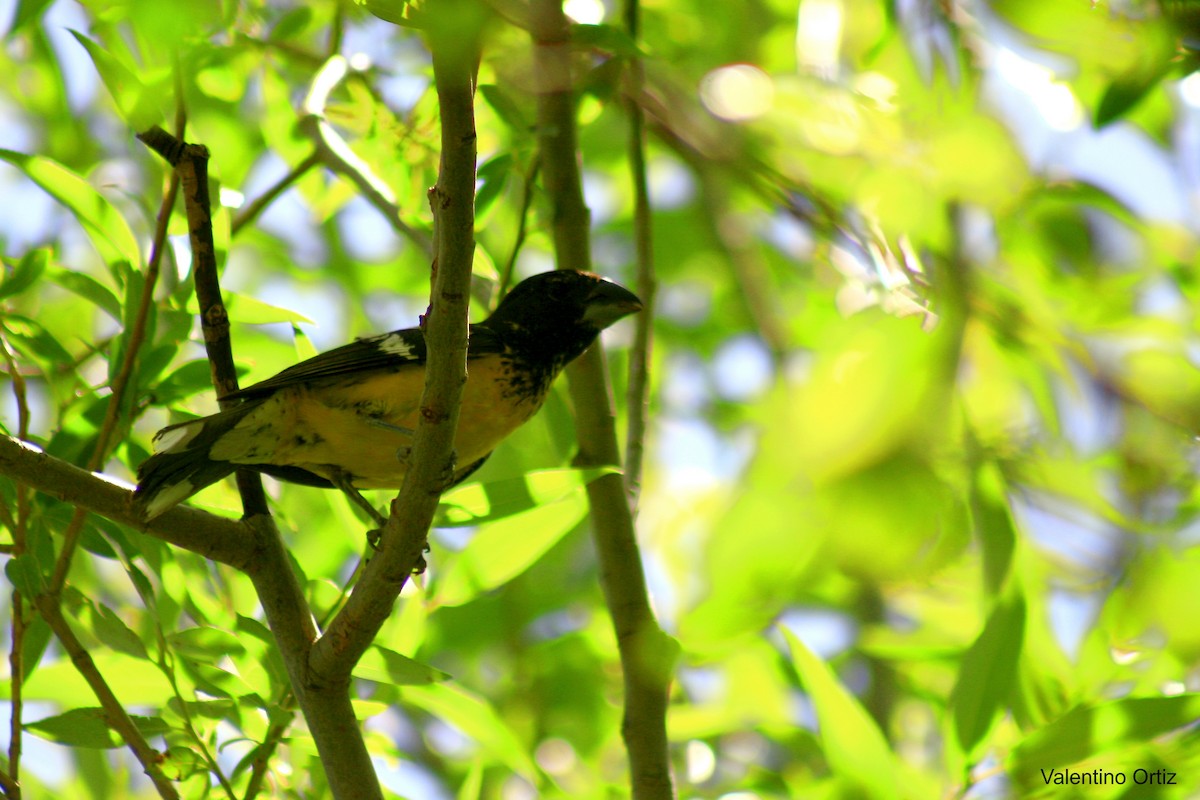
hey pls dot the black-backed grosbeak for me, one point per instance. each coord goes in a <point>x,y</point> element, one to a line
<point>345,417</point>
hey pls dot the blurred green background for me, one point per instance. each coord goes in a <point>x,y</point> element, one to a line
<point>919,491</point>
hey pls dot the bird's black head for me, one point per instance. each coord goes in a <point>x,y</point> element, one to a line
<point>559,313</point>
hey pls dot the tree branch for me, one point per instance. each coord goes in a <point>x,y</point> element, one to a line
<point>637,395</point>
<point>647,654</point>
<point>217,538</point>
<point>326,705</point>
<point>431,459</point>
<point>335,154</point>
<point>252,211</point>
<point>114,712</point>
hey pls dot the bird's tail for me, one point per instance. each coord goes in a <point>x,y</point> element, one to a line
<point>181,465</point>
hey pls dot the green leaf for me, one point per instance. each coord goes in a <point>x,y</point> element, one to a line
<point>291,24</point>
<point>34,341</point>
<point>89,288</point>
<point>27,11</point>
<point>856,749</point>
<point>477,503</point>
<point>37,635</point>
<point>86,727</point>
<point>476,719</point>
<point>213,680</point>
<point>612,38</point>
<point>105,226</point>
<point>502,550</point>
<point>988,672</point>
<point>24,573</point>
<point>1089,730</point>
<point>505,107</point>
<point>1157,57</point>
<point>205,642</point>
<point>108,628</point>
<point>387,666</point>
<point>993,524</point>
<point>192,377</point>
<point>28,270</point>
<point>494,175</point>
<point>137,103</point>
<point>251,311</point>
<point>397,12</point>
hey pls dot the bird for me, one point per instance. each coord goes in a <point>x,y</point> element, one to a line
<point>345,418</point>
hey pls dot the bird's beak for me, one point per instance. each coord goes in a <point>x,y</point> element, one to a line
<point>608,302</point>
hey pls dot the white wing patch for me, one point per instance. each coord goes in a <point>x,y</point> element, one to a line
<point>177,437</point>
<point>396,344</point>
<point>170,496</point>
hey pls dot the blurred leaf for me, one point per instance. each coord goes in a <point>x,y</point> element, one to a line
<point>988,672</point>
<point>137,103</point>
<point>611,38</point>
<point>104,224</point>
<point>856,750</point>
<point>27,11</point>
<point>249,310</point>
<point>993,523</point>
<point>398,12</point>
<point>205,643</point>
<point>86,727</point>
<point>28,270</point>
<point>89,288</point>
<point>1158,593</point>
<point>505,107</point>
<point>291,24</point>
<point>1145,75</point>
<point>494,174</point>
<point>503,549</point>
<point>477,720</point>
<point>387,666</point>
<point>478,503</point>
<point>864,396</point>
<point>1090,730</point>
<point>192,377</point>
<point>24,573</point>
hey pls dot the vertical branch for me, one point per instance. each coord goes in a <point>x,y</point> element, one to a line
<point>454,45</point>
<point>191,163</point>
<point>522,222</point>
<point>16,655</point>
<point>647,654</point>
<point>637,395</point>
<point>326,706</point>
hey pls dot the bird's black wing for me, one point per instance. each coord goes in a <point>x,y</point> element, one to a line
<point>384,352</point>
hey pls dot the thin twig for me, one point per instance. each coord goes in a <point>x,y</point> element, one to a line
<point>265,750</point>
<point>522,223</point>
<point>10,786</point>
<point>252,211</point>
<point>114,712</point>
<point>647,654</point>
<point>337,155</point>
<point>16,655</point>
<point>637,396</point>
<point>120,385</point>
<point>166,665</point>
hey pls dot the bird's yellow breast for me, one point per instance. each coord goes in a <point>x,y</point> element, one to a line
<point>363,426</point>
